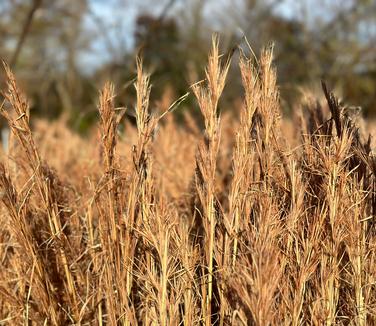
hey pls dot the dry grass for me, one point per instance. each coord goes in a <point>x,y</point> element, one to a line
<point>163,224</point>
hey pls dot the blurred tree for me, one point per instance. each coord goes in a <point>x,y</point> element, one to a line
<point>42,40</point>
<point>346,50</point>
<point>34,6</point>
<point>45,41</point>
<point>333,40</point>
<point>159,43</point>
<point>315,39</point>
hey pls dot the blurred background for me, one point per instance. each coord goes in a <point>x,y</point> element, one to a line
<point>62,51</point>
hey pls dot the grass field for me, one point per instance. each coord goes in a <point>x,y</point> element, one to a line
<point>254,220</point>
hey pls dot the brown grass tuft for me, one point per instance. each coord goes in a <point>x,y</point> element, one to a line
<point>162,223</point>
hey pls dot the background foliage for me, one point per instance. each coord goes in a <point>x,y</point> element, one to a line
<point>67,49</point>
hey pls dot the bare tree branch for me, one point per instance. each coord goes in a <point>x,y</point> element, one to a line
<point>25,31</point>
